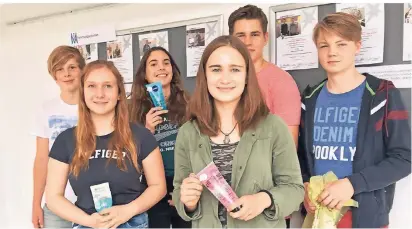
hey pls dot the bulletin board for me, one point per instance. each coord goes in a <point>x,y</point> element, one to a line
<point>177,43</point>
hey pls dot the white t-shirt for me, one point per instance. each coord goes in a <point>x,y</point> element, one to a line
<point>53,117</point>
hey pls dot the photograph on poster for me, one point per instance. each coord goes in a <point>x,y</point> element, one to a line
<point>89,52</point>
<point>146,44</point>
<point>358,12</point>
<point>408,13</point>
<point>85,51</point>
<point>288,26</point>
<point>154,39</point>
<point>195,37</point>
<point>114,50</point>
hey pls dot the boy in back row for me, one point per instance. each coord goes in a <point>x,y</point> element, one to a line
<point>65,65</point>
<point>249,23</point>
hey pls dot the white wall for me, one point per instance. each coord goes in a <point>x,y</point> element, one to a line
<point>25,83</point>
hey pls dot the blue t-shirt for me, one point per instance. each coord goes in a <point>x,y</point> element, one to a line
<point>335,130</point>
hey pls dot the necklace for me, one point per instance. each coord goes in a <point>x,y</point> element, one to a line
<point>227,139</point>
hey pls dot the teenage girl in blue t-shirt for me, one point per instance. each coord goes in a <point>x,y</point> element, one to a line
<point>157,65</point>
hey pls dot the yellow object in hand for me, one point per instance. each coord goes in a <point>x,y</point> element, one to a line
<point>324,217</point>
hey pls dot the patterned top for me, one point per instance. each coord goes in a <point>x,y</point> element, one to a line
<point>223,157</point>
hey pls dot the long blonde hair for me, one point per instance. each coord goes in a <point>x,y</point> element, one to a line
<point>122,138</point>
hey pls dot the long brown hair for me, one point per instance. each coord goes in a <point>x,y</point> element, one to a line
<point>140,99</point>
<point>251,107</point>
<point>122,138</point>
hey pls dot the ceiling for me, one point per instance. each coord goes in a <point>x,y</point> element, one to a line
<point>21,11</point>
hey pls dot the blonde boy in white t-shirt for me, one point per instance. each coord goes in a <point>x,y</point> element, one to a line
<point>65,65</point>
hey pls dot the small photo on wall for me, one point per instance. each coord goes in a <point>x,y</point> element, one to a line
<point>359,13</point>
<point>114,50</point>
<point>288,26</point>
<point>408,13</point>
<point>195,37</point>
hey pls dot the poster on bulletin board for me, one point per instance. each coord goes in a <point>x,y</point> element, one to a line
<point>120,52</point>
<point>372,20</point>
<point>197,38</point>
<point>294,46</point>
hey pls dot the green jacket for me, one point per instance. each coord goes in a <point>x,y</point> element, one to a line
<point>265,158</point>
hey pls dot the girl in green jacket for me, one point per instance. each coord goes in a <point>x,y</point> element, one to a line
<point>231,126</point>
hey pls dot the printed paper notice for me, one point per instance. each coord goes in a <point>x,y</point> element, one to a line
<point>407,32</point>
<point>149,40</point>
<point>294,46</point>
<point>120,52</point>
<point>372,20</point>
<point>92,35</point>
<point>400,75</point>
<point>197,38</point>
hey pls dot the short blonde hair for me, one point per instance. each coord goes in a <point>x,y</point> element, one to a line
<point>342,24</point>
<point>60,55</point>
